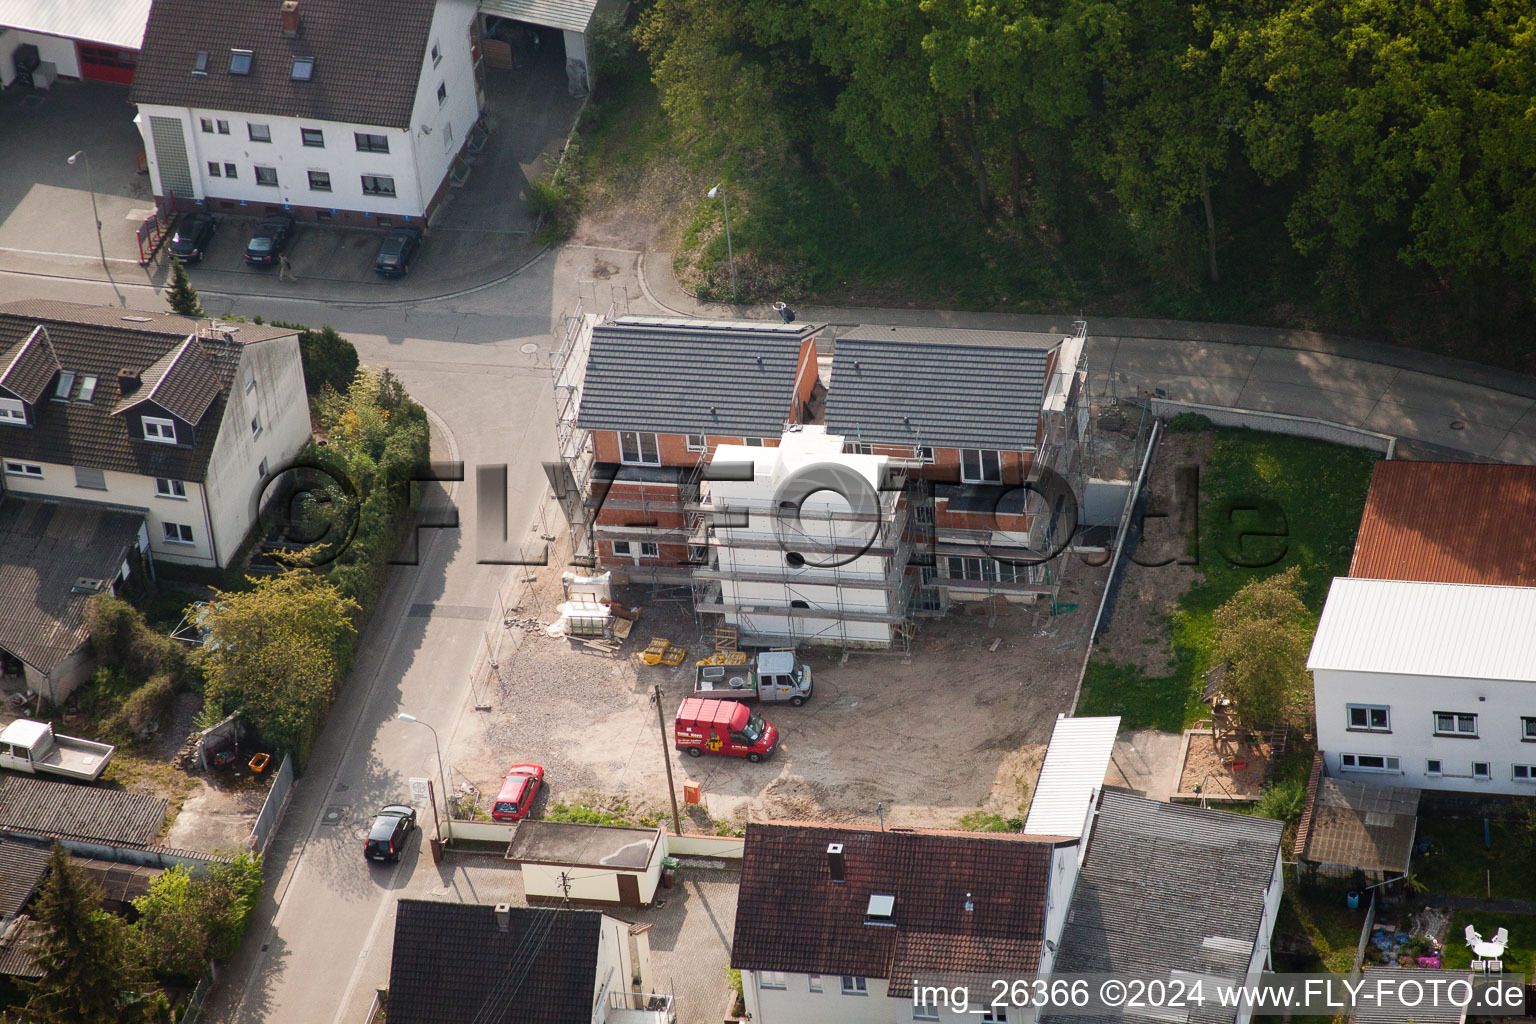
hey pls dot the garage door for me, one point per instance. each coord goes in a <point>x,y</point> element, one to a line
<point>171,157</point>
<point>104,64</point>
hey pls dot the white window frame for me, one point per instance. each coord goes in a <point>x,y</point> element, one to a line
<point>306,133</point>
<point>250,377</point>
<point>1456,722</point>
<point>977,457</point>
<point>924,454</point>
<point>634,442</point>
<point>772,979</point>
<point>174,489</point>
<point>164,430</point>
<point>176,533</point>
<point>261,469</point>
<point>265,130</point>
<point>649,549</point>
<point>621,549</point>
<point>697,443</point>
<point>379,188</point>
<point>858,448</point>
<point>1391,765</point>
<point>321,185</point>
<point>925,1012</point>
<point>442,93</point>
<point>1485,774</point>
<point>87,388</point>
<point>1385,709</point>
<point>266,184</point>
<point>1528,728</point>
<point>13,411</point>
<point>256,426</point>
<point>1434,767</point>
<point>752,442</point>
<point>65,385</point>
<point>813,982</point>
<point>995,1015</point>
<point>26,469</point>
<point>437,53</point>
<point>853,985</point>
<point>1529,770</point>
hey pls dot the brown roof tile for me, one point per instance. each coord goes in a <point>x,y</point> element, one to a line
<point>367,59</point>
<point>30,364</point>
<point>1448,522</point>
<point>790,916</point>
<point>100,341</point>
<point>181,382</point>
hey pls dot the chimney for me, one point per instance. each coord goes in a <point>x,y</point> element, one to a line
<point>503,910</point>
<point>835,863</point>
<point>289,17</point>
<point>127,381</point>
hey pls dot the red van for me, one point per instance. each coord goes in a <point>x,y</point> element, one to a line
<point>722,727</point>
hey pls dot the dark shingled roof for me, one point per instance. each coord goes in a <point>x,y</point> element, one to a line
<point>100,341</point>
<point>66,810</point>
<point>22,867</point>
<point>19,947</point>
<point>1448,522</point>
<point>676,375</point>
<point>1168,887</point>
<point>368,59</point>
<point>29,367</point>
<point>451,961</point>
<point>791,917</point>
<point>45,546</point>
<point>939,388</point>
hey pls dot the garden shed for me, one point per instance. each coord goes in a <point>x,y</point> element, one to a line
<point>597,864</point>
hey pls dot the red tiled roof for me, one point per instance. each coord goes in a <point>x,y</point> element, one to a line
<point>1448,522</point>
<point>791,917</point>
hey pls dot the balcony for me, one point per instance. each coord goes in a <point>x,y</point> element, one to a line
<point>638,1008</point>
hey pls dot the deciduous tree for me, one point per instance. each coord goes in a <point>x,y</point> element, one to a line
<point>1264,632</point>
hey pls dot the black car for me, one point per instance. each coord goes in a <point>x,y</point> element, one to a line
<point>269,238</point>
<point>395,252</point>
<point>391,828</point>
<point>193,233</point>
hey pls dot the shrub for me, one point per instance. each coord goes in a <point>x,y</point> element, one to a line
<point>124,644</point>
<point>1188,423</point>
<point>140,706</point>
<point>1283,801</point>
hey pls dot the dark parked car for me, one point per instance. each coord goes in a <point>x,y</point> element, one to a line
<point>395,252</point>
<point>193,233</point>
<point>269,238</point>
<point>391,828</point>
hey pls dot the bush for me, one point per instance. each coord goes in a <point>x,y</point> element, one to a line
<point>141,706</point>
<point>1188,423</point>
<point>1283,801</point>
<point>980,821</point>
<point>124,644</point>
<point>555,199</point>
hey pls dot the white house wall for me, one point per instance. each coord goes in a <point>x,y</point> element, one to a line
<point>433,151</point>
<point>795,1003</point>
<point>234,478</point>
<point>1413,700</point>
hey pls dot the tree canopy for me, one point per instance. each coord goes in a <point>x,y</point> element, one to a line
<point>1264,632</point>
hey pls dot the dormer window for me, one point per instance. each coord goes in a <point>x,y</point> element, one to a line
<point>200,65</point>
<point>13,412</point>
<point>159,430</point>
<point>240,61</point>
<point>87,388</point>
<point>66,385</point>
<point>303,69</point>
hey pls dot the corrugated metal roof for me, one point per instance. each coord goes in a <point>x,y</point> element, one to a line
<point>571,15</point>
<point>1074,769</point>
<point>1361,825</point>
<point>937,387</point>
<point>1447,630</point>
<point>19,949</point>
<point>675,375</point>
<point>22,867</point>
<point>1168,887</point>
<point>1390,1007</point>
<point>118,23</point>
<point>1448,522</point>
<point>66,810</point>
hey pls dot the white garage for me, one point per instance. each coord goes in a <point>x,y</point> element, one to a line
<point>91,39</point>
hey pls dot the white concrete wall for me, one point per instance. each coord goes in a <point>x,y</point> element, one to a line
<point>133,491</point>
<point>588,883</point>
<point>797,1004</point>
<point>725,847</point>
<point>52,48</point>
<point>234,480</point>
<point>433,151</point>
<point>1413,700</point>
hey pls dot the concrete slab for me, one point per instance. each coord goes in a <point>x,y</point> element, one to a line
<point>1146,761</point>
<point>1161,358</point>
<point>216,819</point>
<point>1322,372</point>
<point>1518,449</point>
<point>1299,399</point>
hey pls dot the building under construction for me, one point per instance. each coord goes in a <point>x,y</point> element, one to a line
<point>678,438</point>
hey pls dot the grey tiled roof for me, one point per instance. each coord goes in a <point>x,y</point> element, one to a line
<point>938,387</point>
<point>101,341</point>
<point>22,867</point>
<point>1360,825</point>
<point>368,59</point>
<point>181,382</point>
<point>68,810</point>
<point>676,375</point>
<point>19,948</point>
<point>45,546</point>
<point>1168,887</point>
<point>451,962</point>
<point>27,368</point>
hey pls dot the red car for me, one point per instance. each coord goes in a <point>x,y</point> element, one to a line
<point>519,789</point>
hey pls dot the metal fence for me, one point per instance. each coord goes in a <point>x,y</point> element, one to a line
<point>272,809</point>
<point>1280,423</point>
<point>199,995</point>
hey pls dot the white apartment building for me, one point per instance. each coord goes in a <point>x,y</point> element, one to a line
<point>315,107</point>
<point>176,419</point>
<point>1430,685</point>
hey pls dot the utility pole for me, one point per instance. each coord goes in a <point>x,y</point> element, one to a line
<point>666,757</point>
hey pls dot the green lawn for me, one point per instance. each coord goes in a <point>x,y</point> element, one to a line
<point>1319,917</point>
<point>1460,865</point>
<point>1519,955</point>
<point>1310,491</point>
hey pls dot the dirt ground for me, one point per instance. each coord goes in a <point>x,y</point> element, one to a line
<point>1204,766</point>
<point>956,727</point>
<point>1138,633</point>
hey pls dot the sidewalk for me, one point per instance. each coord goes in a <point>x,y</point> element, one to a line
<point>1446,408</point>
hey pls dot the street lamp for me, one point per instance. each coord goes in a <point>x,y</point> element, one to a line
<point>441,778</point>
<point>716,191</point>
<point>96,215</point>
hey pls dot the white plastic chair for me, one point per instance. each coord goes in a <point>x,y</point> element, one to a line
<point>1472,937</point>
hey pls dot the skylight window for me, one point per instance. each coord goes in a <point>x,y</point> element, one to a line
<point>880,907</point>
<point>201,66</point>
<point>303,69</point>
<point>240,62</point>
